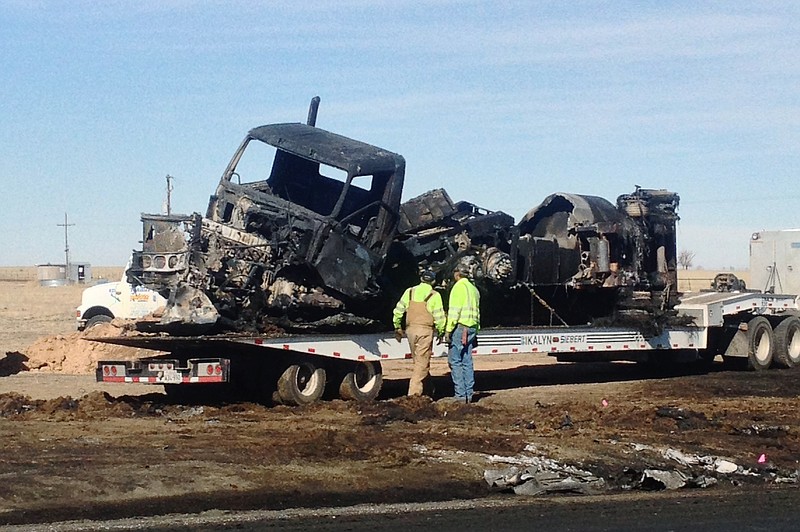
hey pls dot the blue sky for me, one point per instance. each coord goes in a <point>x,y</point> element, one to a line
<point>501,103</point>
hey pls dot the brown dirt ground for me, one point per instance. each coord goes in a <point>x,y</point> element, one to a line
<point>74,449</point>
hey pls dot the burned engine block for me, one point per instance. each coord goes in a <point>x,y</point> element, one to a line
<point>569,261</point>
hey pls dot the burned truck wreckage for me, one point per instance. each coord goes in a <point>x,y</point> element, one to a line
<point>306,232</point>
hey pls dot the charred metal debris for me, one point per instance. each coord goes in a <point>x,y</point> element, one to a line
<point>306,231</point>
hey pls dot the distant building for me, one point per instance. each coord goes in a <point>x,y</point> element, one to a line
<point>59,275</point>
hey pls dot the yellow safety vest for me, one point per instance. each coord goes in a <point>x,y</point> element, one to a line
<point>420,294</point>
<point>465,306</point>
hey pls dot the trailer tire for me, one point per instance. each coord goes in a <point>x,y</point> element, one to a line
<point>787,342</point>
<point>301,384</point>
<point>362,383</point>
<point>760,344</point>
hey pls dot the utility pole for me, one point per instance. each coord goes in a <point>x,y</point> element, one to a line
<point>66,227</point>
<point>169,194</point>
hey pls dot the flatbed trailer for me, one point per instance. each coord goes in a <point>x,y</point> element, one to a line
<point>757,329</point>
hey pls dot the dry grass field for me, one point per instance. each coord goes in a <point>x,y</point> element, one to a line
<point>29,311</point>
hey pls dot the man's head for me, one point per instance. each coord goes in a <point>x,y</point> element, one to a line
<point>462,270</point>
<point>427,276</point>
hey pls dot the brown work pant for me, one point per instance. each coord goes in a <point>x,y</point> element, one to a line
<point>420,340</point>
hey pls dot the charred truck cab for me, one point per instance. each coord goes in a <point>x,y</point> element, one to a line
<point>297,230</point>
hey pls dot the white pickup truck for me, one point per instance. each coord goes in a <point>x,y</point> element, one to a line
<point>103,302</point>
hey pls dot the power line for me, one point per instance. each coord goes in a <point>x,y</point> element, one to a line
<point>66,227</point>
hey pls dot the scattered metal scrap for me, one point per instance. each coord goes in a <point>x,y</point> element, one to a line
<point>657,479</point>
<point>537,475</point>
<point>544,476</point>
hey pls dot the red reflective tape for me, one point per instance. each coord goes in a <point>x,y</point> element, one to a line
<point>113,379</point>
<point>312,350</point>
<point>337,354</point>
<point>384,355</point>
<point>259,341</point>
<point>215,378</point>
<point>362,357</point>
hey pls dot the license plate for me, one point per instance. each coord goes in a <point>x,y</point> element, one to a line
<point>169,376</point>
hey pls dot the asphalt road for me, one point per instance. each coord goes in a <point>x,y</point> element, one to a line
<point>709,511</point>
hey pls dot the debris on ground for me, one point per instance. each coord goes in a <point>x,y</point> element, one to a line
<point>537,475</point>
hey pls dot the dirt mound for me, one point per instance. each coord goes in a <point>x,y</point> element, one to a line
<point>74,354</point>
<point>92,406</point>
<point>413,410</point>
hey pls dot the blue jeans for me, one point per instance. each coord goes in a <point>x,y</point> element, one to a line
<point>460,360</point>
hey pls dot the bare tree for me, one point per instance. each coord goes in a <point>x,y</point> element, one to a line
<point>685,258</point>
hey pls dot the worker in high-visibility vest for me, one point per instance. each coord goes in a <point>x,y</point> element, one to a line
<point>422,306</point>
<point>463,322</point>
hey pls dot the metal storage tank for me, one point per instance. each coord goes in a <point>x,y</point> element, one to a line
<point>51,274</point>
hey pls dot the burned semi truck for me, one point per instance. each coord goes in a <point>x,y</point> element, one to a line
<point>306,232</point>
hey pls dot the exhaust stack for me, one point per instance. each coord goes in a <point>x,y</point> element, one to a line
<point>312,111</point>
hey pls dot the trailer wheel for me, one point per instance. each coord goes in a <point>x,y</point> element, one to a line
<point>363,383</point>
<point>787,342</point>
<point>301,384</point>
<point>760,344</point>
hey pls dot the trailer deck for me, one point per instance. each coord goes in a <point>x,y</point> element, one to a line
<point>735,325</point>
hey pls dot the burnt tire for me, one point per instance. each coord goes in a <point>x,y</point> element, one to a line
<point>760,344</point>
<point>301,384</point>
<point>787,342</point>
<point>97,320</point>
<point>362,383</point>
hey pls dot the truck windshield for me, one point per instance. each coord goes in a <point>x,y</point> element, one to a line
<point>316,186</point>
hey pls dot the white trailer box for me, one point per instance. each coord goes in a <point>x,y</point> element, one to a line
<point>775,261</point>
